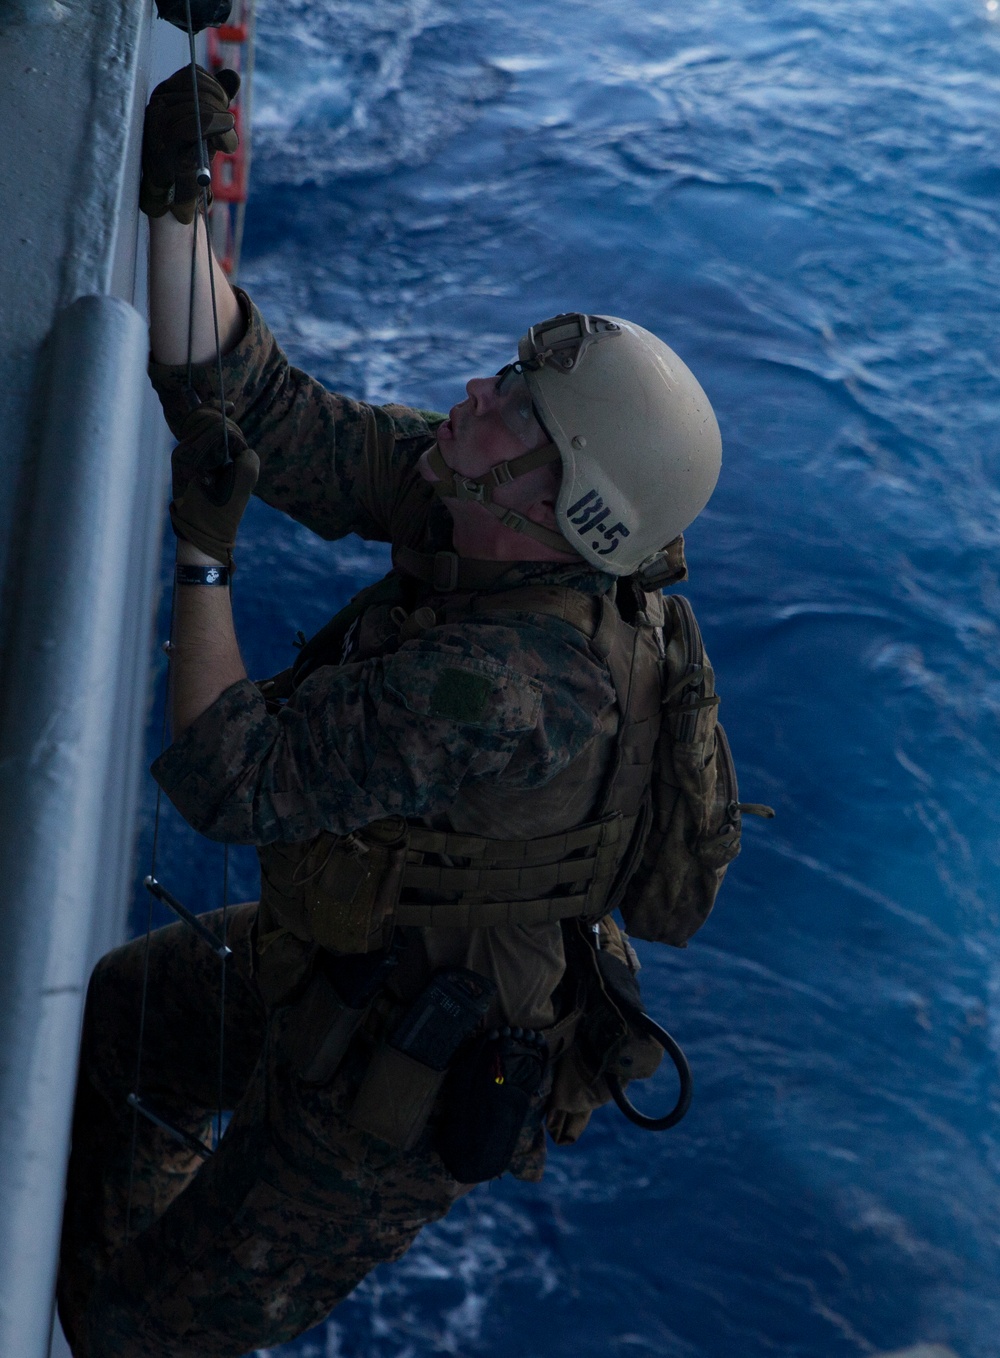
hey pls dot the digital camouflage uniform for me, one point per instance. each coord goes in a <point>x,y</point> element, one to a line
<point>465,725</point>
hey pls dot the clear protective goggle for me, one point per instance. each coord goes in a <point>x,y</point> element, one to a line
<point>559,343</point>
<point>517,409</point>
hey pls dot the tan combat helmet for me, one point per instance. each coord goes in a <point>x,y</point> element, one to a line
<point>637,436</point>
<point>635,433</point>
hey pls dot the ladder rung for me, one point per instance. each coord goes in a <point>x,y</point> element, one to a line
<point>190,919</point>
<point>185,1138</point>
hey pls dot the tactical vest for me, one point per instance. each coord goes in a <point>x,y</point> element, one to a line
<point>646,818</point>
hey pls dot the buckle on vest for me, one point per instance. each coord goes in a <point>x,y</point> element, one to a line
<point>512,519</point>
<point>445,574</point>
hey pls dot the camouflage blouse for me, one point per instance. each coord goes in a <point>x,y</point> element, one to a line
<point>513,699</point>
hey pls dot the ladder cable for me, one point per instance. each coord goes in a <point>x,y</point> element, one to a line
<point>135,1100</point>
<point>222,993</point>
<point>149,931</point>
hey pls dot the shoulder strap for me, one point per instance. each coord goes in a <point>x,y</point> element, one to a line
<point>689,696</point>
<point>326,646</point>
<point>582,611</point>
<point>447,572</point>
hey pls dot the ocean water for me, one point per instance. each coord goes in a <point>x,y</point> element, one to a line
<point>801,199</point>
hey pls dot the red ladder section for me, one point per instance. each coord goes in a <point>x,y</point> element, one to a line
<point>231,45</point>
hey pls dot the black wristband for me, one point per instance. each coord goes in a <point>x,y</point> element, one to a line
<point>201,575</point>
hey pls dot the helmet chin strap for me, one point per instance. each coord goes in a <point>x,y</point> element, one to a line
<point>479,489</point>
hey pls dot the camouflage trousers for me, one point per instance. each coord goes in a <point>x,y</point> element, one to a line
<point>256,1244</point>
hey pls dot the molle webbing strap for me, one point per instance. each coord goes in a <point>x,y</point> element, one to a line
<point>501,881</point>
<point>508,852</point>
<point>497,867</point>
<point>490,914</point>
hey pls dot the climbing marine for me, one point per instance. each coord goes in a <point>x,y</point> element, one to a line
<point>451,789</point>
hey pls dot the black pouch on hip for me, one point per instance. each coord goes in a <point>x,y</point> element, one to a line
<point>487,1099</point>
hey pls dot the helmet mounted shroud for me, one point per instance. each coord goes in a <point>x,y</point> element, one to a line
<point>562,341</point>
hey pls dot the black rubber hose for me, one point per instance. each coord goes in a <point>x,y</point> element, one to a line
<point>683,1103</point>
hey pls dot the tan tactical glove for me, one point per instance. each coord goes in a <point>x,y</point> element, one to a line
<point>210,494</point>
<point>170,139</point>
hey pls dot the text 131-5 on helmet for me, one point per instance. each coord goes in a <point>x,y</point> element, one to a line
<point>637,436</point>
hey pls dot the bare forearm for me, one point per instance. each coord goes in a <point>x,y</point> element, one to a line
<point>169,284</point>
<point>205,658</point>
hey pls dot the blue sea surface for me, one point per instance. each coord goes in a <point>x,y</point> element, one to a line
<point>801,198</point>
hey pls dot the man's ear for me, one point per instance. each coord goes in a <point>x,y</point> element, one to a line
<point>543,511</point>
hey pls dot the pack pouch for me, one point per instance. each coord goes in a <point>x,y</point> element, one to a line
<point>605,1042</point>
<point>695,812</point>
<point>406,1072</point>
<point>339,891</point>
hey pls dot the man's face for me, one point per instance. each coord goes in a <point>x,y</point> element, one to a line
<point>497,423</point>
<point>493,424</point>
